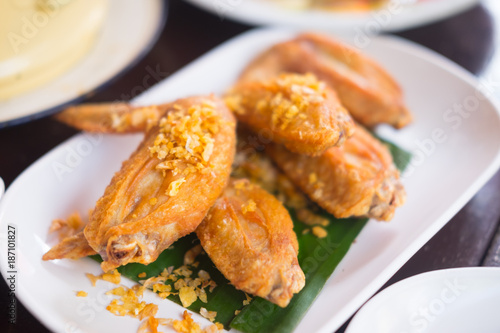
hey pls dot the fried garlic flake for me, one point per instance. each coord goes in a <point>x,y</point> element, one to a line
<point>188,325</point>
<point>129,304</point>
<point>248,300</point>
<point>185,141</point>
<point>174,187</point>
<point>93,279</point>
<point>210,315</point>
<point>191,254</point>
<point>187,296</point>
<point>149,325</point>
<point>249,206</point>
<point>308,217</point>
<point>300,91</point>
<point>319,232</point>
<point>190,287</point>
<point>113,277</point>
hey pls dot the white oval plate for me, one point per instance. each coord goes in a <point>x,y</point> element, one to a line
<point>400,15</point>
<point>74,175</point>
<point>459,300</point>
<point>130,30</point>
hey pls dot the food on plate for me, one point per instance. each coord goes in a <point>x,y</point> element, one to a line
<point>112,117</point>
<point>43,39</point>
<point>71,247</point>
<point>357,179</point>
<point>72,242</point>
<point>186,325</point>
<point>296,110</point>
<point>249,236</point>
<point>337,5</point>
<point>185,158</point>
<point>358,5</point>
<point>113,276</point>
<point>297,147</point>
<point>368,92</point>
<point>128,301</point>
<point>67,227</point>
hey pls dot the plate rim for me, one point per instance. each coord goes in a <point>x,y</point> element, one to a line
<point>419,279</point>
<point>290,19</point>
<point>105,83</point>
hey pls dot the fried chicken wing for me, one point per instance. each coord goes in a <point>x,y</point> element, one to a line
<point>164,190</point>
<point>249,236</point>
<point>72,247</point>
<point>112,117</point>
<point>72,242</point>
<point>357,179</point>
<point>295,110</point>
<point>368,92</point>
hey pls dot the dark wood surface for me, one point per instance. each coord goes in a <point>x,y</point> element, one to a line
<point>471,238</point>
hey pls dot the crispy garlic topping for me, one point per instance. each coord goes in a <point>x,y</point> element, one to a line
<point>186,135</point>
<point>294,94</point>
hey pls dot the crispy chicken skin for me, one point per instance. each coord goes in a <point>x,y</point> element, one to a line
<point>72,247</point>
<point>357,179</point>
<point>72,241</point>
<point>296,110</point>
<point>249,236</point>
<point>368,92</point>
<point>164,190</point>
<point>112,117</point>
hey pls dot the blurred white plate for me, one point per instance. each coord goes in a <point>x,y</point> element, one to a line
<point>2,188</point>
<point>444,175</point>
<point>402,14</point>
<point>459,300</point>
<point>131,29</point>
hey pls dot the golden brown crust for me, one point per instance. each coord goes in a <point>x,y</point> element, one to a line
<point>149,203</point>
<point>112,117</point>
<point>249,236</point>
<point>369,93</point>
<point>357,179</point>
<point>72,247</point>
<point>295,110</point>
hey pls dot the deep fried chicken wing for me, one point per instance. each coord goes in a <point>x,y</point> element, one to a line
<point>72,242</point>
<point>112,117</point>
<point>357,179</point>
<point>164,190</point>
<point>295,110</point>
<point>249,236</point>
<point>368,92</point>
<point>71,247</point>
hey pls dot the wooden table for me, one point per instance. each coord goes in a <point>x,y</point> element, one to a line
<point>468,39</point>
